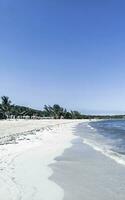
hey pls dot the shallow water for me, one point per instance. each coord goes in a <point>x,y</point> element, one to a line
<point>84,173</point>
<point>113,132</point>
<point>108,137</point>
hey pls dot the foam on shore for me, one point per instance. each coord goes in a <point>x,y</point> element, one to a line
<point>97,143</point>
<point>85,173</point>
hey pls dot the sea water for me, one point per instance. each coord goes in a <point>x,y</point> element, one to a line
<point>85,173</point>
<point>106,136</point>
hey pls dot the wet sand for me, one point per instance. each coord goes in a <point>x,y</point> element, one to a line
<point>84,173</point>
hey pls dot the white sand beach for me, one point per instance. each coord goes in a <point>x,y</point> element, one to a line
<point>27,149</point>
<point>84,173</point>
<point>48,160</point>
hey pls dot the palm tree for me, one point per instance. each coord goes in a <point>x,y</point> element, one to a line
<point>6,106</point>
<point>48,110</point>
<point>55,111</point>
<point>68,115</point>
<point>76,115</point>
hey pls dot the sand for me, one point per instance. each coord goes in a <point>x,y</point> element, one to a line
<point>48,160</point>
<point>85,173</point>
<point>27,149</point>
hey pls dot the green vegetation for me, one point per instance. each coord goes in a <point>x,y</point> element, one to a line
<point>5,107</point>
<point>9,110</point>
<point>55,111</point>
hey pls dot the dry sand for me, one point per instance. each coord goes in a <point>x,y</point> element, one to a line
<point>27,149</point>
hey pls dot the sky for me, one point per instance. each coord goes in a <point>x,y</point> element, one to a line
<point>70,52</point>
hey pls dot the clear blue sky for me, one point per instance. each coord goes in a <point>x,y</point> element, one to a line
<point>70,52</point>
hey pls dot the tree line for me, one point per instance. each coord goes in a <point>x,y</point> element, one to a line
<point>9,110</point>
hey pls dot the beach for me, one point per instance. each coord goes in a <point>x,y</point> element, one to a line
<point>49,159</point>
<point>27,149</point>
<point>86,173</point>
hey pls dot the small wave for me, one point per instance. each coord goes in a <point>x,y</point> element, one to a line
<point>90,127</point>
<point>109,153</point>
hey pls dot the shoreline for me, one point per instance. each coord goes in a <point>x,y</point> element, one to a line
<point>98,147</point>
<point>53,162</point>
<point>81,169</point>
<point>33,154</point>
